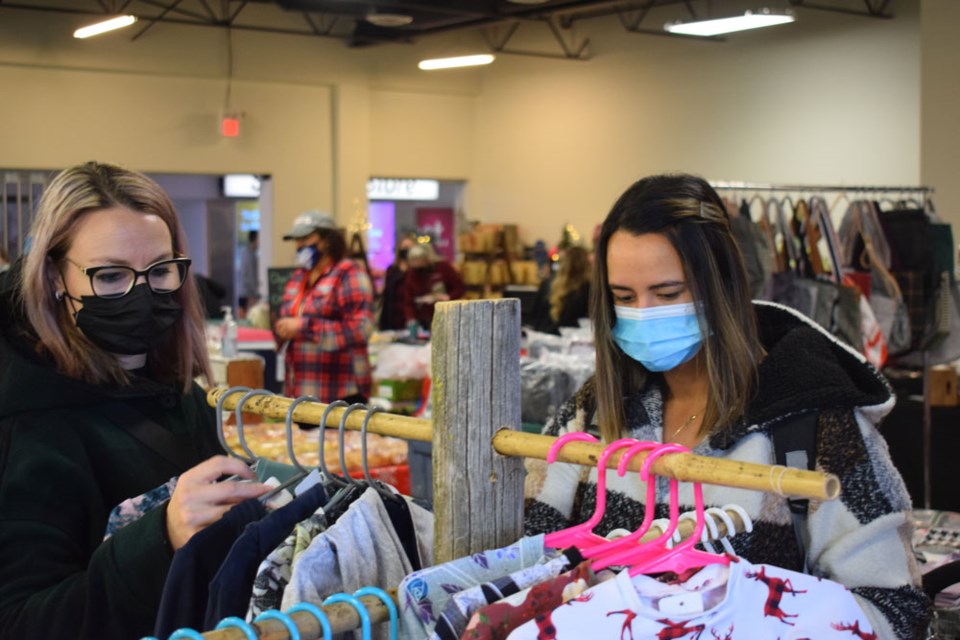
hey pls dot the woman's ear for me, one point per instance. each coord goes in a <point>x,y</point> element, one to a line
<point>54,278</point>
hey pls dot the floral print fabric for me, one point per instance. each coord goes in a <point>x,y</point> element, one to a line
<point>133,508</point>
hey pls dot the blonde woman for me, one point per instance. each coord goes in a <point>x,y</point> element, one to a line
<point>99,348</point>
<point>565,298</point>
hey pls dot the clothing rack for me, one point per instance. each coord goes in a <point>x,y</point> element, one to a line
<point>478,488</point>
<point>683,466</point>
<point>762,186</point>
<point>926,193</point>
<point>344,617</point>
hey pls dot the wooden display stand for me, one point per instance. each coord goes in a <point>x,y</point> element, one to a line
<point>943,386</point>
<point>243,370</point>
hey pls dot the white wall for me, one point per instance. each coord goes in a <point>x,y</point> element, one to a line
<point>832,99</point>
<point>940,115</point>
<point>166,124</point>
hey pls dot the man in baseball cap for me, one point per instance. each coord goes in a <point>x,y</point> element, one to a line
<point>308,222</point>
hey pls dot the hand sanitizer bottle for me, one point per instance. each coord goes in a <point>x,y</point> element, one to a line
<point>228,337</point>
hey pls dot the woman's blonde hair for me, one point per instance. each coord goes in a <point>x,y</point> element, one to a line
<point>74,193</point>
<point>688,212</point>
<point>573,273</point>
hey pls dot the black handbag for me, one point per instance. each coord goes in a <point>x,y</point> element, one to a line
<point>806,285</point>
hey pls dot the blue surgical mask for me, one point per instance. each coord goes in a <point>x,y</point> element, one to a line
<point>308,256</point>
<point>659,338</point>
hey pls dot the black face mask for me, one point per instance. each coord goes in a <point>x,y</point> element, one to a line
<point>130,325</point>
<point>402,254</point>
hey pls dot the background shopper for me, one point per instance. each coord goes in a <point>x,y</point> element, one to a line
<point>564,298</point>
<point>429,280</point>
<point>326,316</point>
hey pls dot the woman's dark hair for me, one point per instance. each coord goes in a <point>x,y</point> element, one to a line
<point>688,212</point>
<point>336,243</point>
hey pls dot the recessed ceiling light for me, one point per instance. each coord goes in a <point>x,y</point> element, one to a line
<point>389,19</point>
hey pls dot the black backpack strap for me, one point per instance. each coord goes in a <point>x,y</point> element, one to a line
<point>161,441</point>
<point>795,445</point>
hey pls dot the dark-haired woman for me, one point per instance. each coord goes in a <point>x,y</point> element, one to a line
<point>684,356</point>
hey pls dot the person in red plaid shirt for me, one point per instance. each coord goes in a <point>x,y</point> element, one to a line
<point>326,316</point>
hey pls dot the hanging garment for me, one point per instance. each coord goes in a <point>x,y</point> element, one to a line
<point>132,509</point>
<point>329,358</point>
<point>361,549</point>
<point>496,620</point>
<point>453,621</point>
<point>229,591</point>
<point>196,563</point>
<point>727,601</point>
<point>424,594</point>
<point>402,520</point>
<point>273,574</point>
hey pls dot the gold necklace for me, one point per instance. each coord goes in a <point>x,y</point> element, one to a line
<point>685,424</point>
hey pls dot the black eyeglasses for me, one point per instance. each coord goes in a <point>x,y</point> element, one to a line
<point>108,281</point>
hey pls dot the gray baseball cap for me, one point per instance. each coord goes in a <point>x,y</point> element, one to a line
<point>308,222</point>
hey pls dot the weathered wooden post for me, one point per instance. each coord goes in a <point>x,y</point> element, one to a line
<point>478,493</point>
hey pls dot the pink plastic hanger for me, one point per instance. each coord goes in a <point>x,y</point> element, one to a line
<point>627,552</point>
<point>629,540</point>
<point>655,556</point>
<point>582,535</point>
<point>683,556</point>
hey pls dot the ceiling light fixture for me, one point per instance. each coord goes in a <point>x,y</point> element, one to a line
<point>718,26</point>
<point>389,19</point>
<point>459,61</point>
<point>102,27</point>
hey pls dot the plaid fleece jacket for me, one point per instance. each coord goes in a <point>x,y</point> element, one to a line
<point>861,540</point>
<point>328,359</point>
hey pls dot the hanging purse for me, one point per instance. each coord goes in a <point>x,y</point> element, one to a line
<point>863,231</point>
<point>810,288</point>
<point>846,319</point>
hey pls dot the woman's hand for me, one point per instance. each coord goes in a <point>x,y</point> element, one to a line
<point>287,328</point>
<point>198,499</point>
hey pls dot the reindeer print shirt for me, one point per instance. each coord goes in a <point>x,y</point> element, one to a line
<point>720,602</point>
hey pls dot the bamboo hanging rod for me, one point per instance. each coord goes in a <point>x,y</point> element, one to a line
<point>343,617</point>
<point>682,466</point>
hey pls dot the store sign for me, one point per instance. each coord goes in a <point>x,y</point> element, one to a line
<point>241,185</point>
<point>400,189</point>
